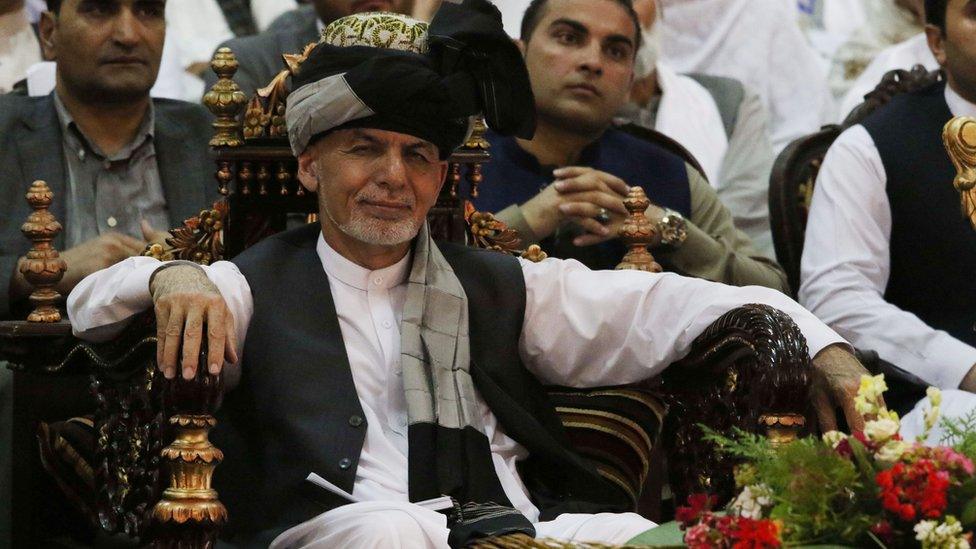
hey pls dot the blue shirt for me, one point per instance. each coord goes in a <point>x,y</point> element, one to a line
<point>513,176</point>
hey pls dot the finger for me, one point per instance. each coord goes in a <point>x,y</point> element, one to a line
<point>152,235</point>
<point>162,320</point>
<point>567,172</point>
<point>601,198</point>
<point>126,246</point>
<point>855,422</point>
<point>171,345</point>
<point>614,183</point>
<point>581,210</point>
<point>231,352</point>
<point>824,410</point>
<point>147,230</point>
<point>192,336</point>
<point>216,339</point>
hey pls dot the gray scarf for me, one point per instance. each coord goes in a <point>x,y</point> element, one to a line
<point>449,453</point>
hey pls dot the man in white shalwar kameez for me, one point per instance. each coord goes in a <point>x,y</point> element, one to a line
<point>342,338</point>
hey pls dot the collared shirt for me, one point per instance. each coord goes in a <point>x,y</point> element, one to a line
<point>582,328</point>
<point>110,193</point>
<point>846,262</point>
<point>19,48</point>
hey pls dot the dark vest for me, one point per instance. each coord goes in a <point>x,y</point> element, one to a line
<point>933,246</point>
<point>513,176</point>
<point>296,410</point>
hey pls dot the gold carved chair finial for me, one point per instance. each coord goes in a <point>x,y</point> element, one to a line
<point>225,100</point>
<point>43,266</point>
<point>959,137</point>
<point>637,234</point>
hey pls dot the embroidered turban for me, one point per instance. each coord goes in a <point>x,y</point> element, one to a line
<point>391,72</point>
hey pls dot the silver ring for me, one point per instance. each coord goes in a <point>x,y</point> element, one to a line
<point>603,217</point>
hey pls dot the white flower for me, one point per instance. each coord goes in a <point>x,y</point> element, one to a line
<point>891,451</point>
<point>947,535</point>
<point>880,430</point>
<point>751,501</point>
<point>833,438</point>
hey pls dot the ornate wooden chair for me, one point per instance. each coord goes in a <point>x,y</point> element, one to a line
<point>141,465</point>
<point>795,170</point>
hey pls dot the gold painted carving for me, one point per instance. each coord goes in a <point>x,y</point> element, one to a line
<point>959,137</point>
<point>200,239</point>
<point>190,500</point>
<point>782,428</point>
<point>637,233</point>
<point>225,100</point>
<point>43,266</point>
<point>488,232</point>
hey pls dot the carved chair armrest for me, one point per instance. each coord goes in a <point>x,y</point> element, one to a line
<point>750,369</point>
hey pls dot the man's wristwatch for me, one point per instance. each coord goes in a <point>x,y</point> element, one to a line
<point>672,228</point>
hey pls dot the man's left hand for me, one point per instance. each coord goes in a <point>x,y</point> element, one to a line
<point>836,378</point>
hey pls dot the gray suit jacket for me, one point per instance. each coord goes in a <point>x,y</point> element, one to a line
<point>259,56</point>
<point>31,148</point>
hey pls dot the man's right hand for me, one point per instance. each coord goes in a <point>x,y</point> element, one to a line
<point>578,194</point>
<point>185,299</point>
<point>95,255</point>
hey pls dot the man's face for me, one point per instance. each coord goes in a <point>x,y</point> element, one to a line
<point>955,49</point>
<point>107,50</point>
<point>330,10</point>
<point>375,186</point>
<point>580,59</point>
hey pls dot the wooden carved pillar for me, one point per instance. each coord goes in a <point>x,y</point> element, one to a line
<point>637,234</point>
<point>959,137</point>
<point>43,266</point>
<point>225,100</point>
<point>189,513</point>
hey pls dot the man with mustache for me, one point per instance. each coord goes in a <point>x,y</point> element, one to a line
<point>122,166</point>
<point>565,187</point>
<point>397,368</point>
<point>259,56</point>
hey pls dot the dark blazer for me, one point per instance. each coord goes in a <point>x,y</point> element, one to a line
<point>259,56</point>
<point>31,148</point>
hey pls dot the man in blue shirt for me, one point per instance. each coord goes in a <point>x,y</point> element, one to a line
<point>565,187</point>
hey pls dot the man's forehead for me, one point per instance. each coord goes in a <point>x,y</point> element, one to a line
<point>598,17</point>
<point>382,136</point>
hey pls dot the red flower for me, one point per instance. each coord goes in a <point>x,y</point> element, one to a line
<point>914,490</point>
<point>697,505</point>
<point>755,534</point>
<point>884,531</point>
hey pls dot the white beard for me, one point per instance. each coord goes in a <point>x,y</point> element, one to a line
<point>378,232</point>
<point>649,51</point>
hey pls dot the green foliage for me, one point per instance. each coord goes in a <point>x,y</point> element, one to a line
<point>960,434</point>
<point>819,495</point>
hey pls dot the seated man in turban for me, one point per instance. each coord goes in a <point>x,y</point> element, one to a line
<point>397,368</point>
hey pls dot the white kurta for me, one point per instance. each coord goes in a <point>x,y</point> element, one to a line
<point>759,43</point>
<point>904,55</point>
<point>582,328</point>
<point>846,263</point>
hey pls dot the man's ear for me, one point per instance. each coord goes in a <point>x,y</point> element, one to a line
<point>936,40</point>
<point>308,171</point>
<point>47,27</point>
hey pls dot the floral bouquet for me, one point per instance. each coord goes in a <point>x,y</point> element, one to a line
<point>868,489</point>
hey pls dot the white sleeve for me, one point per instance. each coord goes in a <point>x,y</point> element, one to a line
<point>846,264</point>
<point>588,328</point>
<point>103,303</point>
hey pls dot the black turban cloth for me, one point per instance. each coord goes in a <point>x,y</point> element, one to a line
<point>472,67</point>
